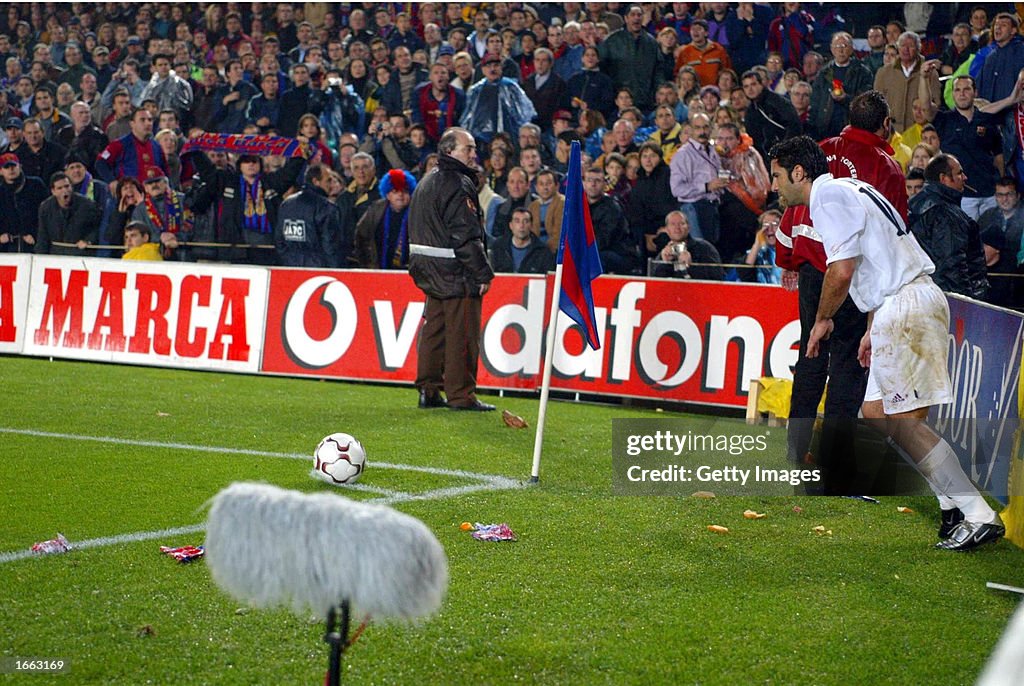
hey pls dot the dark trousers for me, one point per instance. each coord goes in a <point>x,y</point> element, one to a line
<point>448,349</point>
<point>837,364</point>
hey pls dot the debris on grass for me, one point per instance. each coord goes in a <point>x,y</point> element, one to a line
<point>715,528</point>
<point>145,631</point>
<point>53,546</point>
<point>493,532</point>
<point>162,414</point>
<point>466,526</point>
<point>904,510</point>
<point>798,509</point>
<point>513,420</point>
<point>820,530</point>
<point>186,553</point>
<point>707,495</point>
<point>750,514</point>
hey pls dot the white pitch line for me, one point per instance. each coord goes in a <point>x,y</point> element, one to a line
<point>486,482</point>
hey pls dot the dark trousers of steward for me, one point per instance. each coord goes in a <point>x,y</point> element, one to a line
<point>837,364</point>
<point>449,348</point>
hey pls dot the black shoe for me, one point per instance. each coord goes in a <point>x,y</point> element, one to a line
<point>969,535</point>
<point>477,406</point>
<point>950,519</point>
<point>429,402</point>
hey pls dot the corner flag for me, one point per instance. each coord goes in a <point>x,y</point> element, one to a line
<point>578,254</point>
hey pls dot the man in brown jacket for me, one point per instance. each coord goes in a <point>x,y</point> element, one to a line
<point>546,210</point>
<point>900,82</point>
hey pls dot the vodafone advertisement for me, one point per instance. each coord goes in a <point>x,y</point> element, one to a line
<point>165,314</point>
<point>675,340</point>
<point>14,280</point>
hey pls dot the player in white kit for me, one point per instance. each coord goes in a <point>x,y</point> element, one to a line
<point>874,257</point>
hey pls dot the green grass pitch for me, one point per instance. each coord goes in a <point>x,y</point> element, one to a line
<point>600,589</point>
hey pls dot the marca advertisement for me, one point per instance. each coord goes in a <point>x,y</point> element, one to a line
<point>174,315</point>
<point>14,281</point>
<point>682,341</point>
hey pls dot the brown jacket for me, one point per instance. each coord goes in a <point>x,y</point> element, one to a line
<point>553,219</point>
<point>901,91</point>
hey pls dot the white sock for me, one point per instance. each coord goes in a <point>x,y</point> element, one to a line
<point>945,502</point>
<point>942,470</point>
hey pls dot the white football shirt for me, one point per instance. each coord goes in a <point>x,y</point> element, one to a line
<point>856,221</point>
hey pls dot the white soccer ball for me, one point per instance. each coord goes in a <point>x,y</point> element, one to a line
<point>339,459</point>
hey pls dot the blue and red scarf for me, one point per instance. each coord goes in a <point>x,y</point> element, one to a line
<point>261,145</point>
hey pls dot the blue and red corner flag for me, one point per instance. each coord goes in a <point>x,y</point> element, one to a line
<point>578,254</point>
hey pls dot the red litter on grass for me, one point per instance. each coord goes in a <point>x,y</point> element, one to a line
<point>53,546</point>
<point>185,553</point>
<point>494,532</point>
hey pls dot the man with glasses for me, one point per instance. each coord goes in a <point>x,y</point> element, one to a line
<point>842,79</point>
<point>448,262</point>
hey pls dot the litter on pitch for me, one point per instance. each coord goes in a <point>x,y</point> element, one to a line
<point>185,553</point>
<point>493,532</point>
<point>52,546</point>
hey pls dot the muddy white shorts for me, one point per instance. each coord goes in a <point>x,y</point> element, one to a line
<point>909,343</point>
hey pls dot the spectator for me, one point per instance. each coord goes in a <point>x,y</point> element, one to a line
<point>250,200</point>
<point>75,67</point>
<point>590,88</point>
<point>398,93</point>
<point>973,137</point>
<point>678,250</point>
<point>360,193</point>
<point>307,231</point>
<point>762,252</point>
<point>669,134</point>
<point>959,50</point>
<point>546,210</point>
<point>49,117</point>
<point>126,78</point>
<point>630,58</point>
<point>66,217</point>
<point>906,79</point>
<point>813,63</point>
<point>791,35</point>
<point>518,197</point>
<point>545,89</point>
<point>844,78</point>
<point>170,91</point>
<point>875,59</point>
<point>705,56</point>
<point>299,100</point>
<point>462,65</point>
<point>20,198</point>
<point>495,104</point>
<point>744,197</point>
<point>167,141</point>
<point>130,155</point>
<point>696,182</point>
<point>519,250</point>
<point>769,117</point>
<point>382,235</point>
<point>438,105</point>
<point>234,99</point>
<point>83,135</point>
<point>622,132</point>
<point>91,97</point>
<point>949,236</point>
<point>998,72</point>
<point>915,181</point>
<point>38,156</point>
<point>800,96</point>
<point>163,211</point>
<point>619,252</point>
<point>137,245</point>
<point>616,183</point>
<point>119,122</point>
<point>1001,229</point>
<point>651,194</point>
<point>84,184</point>
<point>390,145</point>
<point>747,31</point>
<point>265,109</point>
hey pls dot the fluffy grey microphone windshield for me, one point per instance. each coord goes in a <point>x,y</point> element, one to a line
<point>274,547</point>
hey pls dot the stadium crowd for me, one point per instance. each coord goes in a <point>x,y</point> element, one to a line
<point>675,105</point>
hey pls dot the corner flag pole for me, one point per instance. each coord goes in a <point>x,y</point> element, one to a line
<point>545,387</point>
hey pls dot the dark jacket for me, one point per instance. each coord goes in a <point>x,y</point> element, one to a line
<point>650,201</point>
<point>444,216</point>
<point>203,199</point>
<point>503,213</point>
<point>230,118</point>
<point>632,62</point>
<point>857,80</point>
<point>370,233</point>
<point>227,183</point>
<point>701,252</point>
<point>595,89</point>
<point>307,229</point>
<point>19,210</point>
<point>951,239</point>
<point>547,99</point>
<point>612,234</point>
<point>769,119</point>
<point>80,221</point>
<point>538,259</point>
<point>42,164</point>
<point>91,141</point>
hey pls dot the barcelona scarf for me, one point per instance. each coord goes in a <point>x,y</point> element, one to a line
<point>261,146</point>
